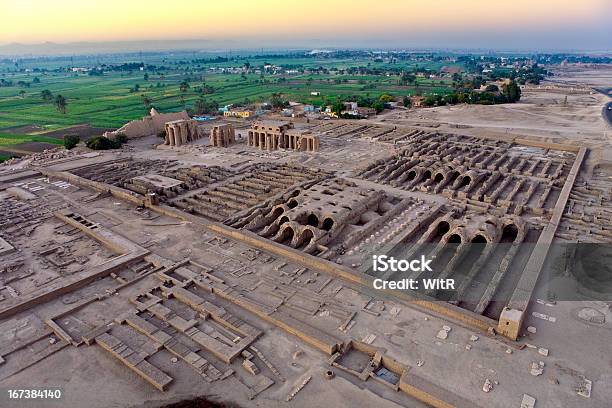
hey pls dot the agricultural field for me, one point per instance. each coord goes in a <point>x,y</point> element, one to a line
<point>110,100</point>
<point>18,144</point>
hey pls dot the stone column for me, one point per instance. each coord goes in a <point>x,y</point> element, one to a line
<point>171,135</point>
<point>184,132</point>
<point>178,138</point>
<point>177,135</point>
<point>180,133</point>
<point>194,131</point>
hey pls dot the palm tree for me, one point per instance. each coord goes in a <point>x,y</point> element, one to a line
<point>184,86</point>
<point>146,101</point>
<point>46,95</point>
<point>407,78</point>
<point>199,106</point>
<point>60,104</point>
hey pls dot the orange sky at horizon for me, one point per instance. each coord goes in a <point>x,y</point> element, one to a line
<point>30,21</point>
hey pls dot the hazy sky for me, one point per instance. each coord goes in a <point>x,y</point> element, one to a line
<point>525,24</point>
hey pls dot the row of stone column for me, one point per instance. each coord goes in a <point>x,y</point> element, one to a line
<point>176,134</point>
<point>180,132</point>
<point>263,140</point>
<point>309,143</point>
<point>222,135</point>
<point>268,141</point>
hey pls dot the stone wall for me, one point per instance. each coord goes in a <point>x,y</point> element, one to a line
<point>148,125</point>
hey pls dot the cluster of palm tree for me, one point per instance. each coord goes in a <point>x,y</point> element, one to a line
<point>46,95</point>
<point>59,101</point>
<point>146,101</point>
<point>184,86</point>
<point>407,78</point>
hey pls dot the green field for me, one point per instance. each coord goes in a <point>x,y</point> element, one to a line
<point>7,139</point>
<point>20,144</point>
<point>106,101</point>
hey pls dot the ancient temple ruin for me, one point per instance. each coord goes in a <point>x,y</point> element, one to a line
<point>222,135</point>
<point>180,132</point>
<point>148,125</point>
<point>299,139</point>
<point>228,269</point>
<point>273,135</point>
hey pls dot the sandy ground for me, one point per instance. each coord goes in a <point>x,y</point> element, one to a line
<point>591,75</point>
<point>565,110</point>
<point>576,348</point>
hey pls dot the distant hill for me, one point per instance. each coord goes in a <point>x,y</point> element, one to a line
<point>52,48</point>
